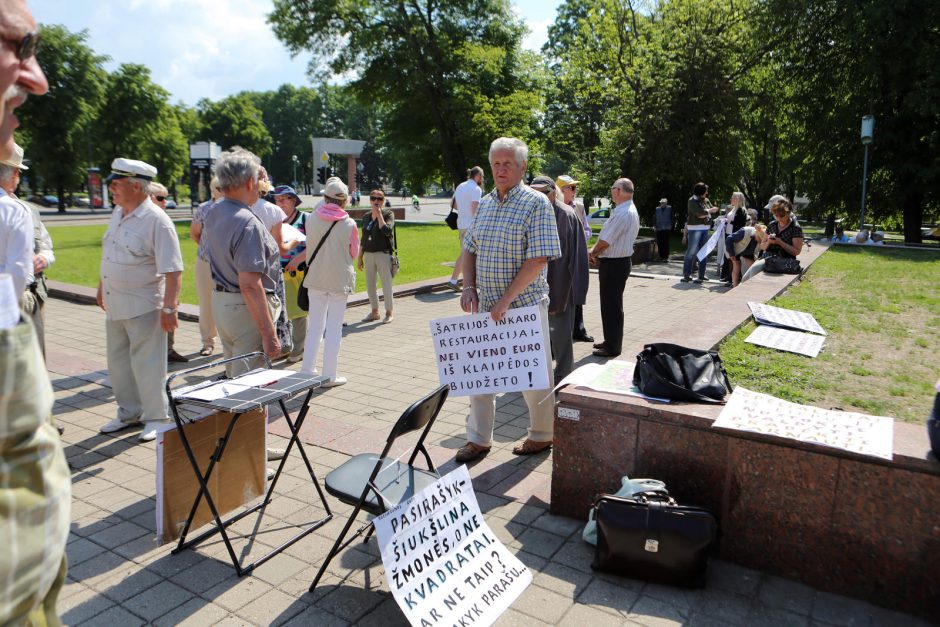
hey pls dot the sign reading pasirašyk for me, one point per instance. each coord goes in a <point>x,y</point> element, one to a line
<point>443,563</point>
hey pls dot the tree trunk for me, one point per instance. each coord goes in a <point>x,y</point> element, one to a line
<point>60,188</point>
<point>913,215</point>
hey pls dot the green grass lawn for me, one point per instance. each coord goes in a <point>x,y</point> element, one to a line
<point>421,247</point>
<point>881,309</point>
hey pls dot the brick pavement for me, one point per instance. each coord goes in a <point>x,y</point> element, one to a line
<point>119,575</point>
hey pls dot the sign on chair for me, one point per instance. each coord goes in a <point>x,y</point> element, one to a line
<point>443,563</point>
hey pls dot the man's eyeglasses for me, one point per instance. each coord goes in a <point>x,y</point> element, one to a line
<point>374,198</point>
<point>159,198</point>
<point>25,48</point>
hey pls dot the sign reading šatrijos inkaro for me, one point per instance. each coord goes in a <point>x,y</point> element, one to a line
<point>476,355</point>
<point>443,563</point>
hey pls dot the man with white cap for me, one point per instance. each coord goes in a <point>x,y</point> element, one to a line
<point>35,295</point>
<point>245,262</point>
<point>139,289</point>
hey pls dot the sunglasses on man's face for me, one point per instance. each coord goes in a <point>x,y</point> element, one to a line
<point>374,198</point>
<point>25,47</point>
<point>160,198</point>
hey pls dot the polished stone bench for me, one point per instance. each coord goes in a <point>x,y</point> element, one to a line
<point>846,523</point>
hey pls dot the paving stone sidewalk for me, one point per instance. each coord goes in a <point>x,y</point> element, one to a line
<point>118,575</point>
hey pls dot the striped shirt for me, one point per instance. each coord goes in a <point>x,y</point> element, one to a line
<point>506,233</point>
<point>620,231</point>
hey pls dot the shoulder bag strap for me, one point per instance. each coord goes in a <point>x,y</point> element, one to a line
<point>322,239</point>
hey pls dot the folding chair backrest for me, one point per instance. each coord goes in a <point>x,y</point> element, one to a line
<point>420,415</point>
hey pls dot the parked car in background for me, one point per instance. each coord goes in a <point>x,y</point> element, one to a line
<point>599,217</point>
<point>49,200</point>
<point>171,204</point>
<point>81,201</point>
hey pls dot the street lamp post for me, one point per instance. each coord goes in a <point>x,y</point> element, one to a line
<point>868,134</point>
<point>294,160</point>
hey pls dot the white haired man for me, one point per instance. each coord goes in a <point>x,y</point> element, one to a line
<point>507,249</point>
<point>245,262</point>
<point>611,255</point>
<point>139,289</point>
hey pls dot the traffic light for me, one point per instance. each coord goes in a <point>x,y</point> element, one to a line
<point>322,174</point>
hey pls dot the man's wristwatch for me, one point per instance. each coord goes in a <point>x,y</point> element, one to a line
<point>169,310</point>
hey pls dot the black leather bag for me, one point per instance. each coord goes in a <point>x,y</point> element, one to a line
<point>679,373</point>
<point>451,220</point>
<point>651,537</point>
<point>782,265</point>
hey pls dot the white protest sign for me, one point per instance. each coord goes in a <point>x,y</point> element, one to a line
<point>709,246</point>
<point>443,564</point>
<point>476,355</point>
<point>798,342</point>
<point>786,318</point>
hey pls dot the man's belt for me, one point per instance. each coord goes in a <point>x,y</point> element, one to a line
<point>219,288</point>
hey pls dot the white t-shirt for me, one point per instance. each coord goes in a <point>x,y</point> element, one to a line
<point>270,214</point>
<point>465,195</point>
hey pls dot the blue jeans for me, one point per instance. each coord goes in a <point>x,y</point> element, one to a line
<point>697,239</point>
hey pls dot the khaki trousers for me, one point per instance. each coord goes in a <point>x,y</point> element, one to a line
<point>205,285</point>
<point>541,403</point>
<point>378,265</point>
<point>32,307</point>
<point>237,329</point>
<point>137,367</point>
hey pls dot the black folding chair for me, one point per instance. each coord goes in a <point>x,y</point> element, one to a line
<point>377,483</point>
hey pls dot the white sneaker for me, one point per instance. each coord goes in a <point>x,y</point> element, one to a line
<point>275,454</point>
<point>149,433</point>
<point>332,383</point>
<point>117,424</point>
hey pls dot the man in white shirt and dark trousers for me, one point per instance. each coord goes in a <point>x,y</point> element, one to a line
<point>611,255</point>
<point>466,200</point>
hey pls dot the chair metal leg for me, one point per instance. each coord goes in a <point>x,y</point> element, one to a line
<point>337,546</point>
<point>369,534</point>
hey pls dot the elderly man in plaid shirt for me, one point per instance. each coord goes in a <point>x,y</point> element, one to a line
<point>507,250</point>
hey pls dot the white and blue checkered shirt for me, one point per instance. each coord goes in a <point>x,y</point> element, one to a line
<point>504,234</point>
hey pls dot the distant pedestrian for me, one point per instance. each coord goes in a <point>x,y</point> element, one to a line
<point>139,289</point>
<point>663,227</point>
<point>698,219</point>
<point>569,190</point>
<point>735,219</point>
<point>375,254</point>
<point>466,200</point>
<point>416,202</point>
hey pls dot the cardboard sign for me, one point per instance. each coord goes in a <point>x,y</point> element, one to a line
<point>476,355</point>
<point>443,563</point>
<point>785,318</point>
<point>807,344</point>
<point>237,479</point>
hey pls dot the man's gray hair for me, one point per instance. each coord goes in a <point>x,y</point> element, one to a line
<point>142,184</point>
<point>517,146</point>
<point>157,189</point>
<point>624,184</point>
<point>7,172</point>
<point>235,167</point>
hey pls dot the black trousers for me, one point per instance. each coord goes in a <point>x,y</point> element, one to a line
<point>579,329</point>
<point>613,274</point>
<point>662,243</point>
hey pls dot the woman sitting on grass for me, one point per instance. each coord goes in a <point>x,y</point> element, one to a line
<point>784,237</point>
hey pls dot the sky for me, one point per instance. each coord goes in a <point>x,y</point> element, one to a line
<point>209,48</point>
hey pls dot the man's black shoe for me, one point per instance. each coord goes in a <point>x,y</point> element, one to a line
<point>172,355</point>
<point>583,338</point>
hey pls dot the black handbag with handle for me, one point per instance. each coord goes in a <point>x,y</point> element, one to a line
<point>782,265</point>
<point>451,220</point>
<point>303,298</point>
<point>649,536</point>
<point>679,373</point>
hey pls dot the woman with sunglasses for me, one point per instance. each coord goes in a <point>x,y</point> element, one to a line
<point>375,254</point>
